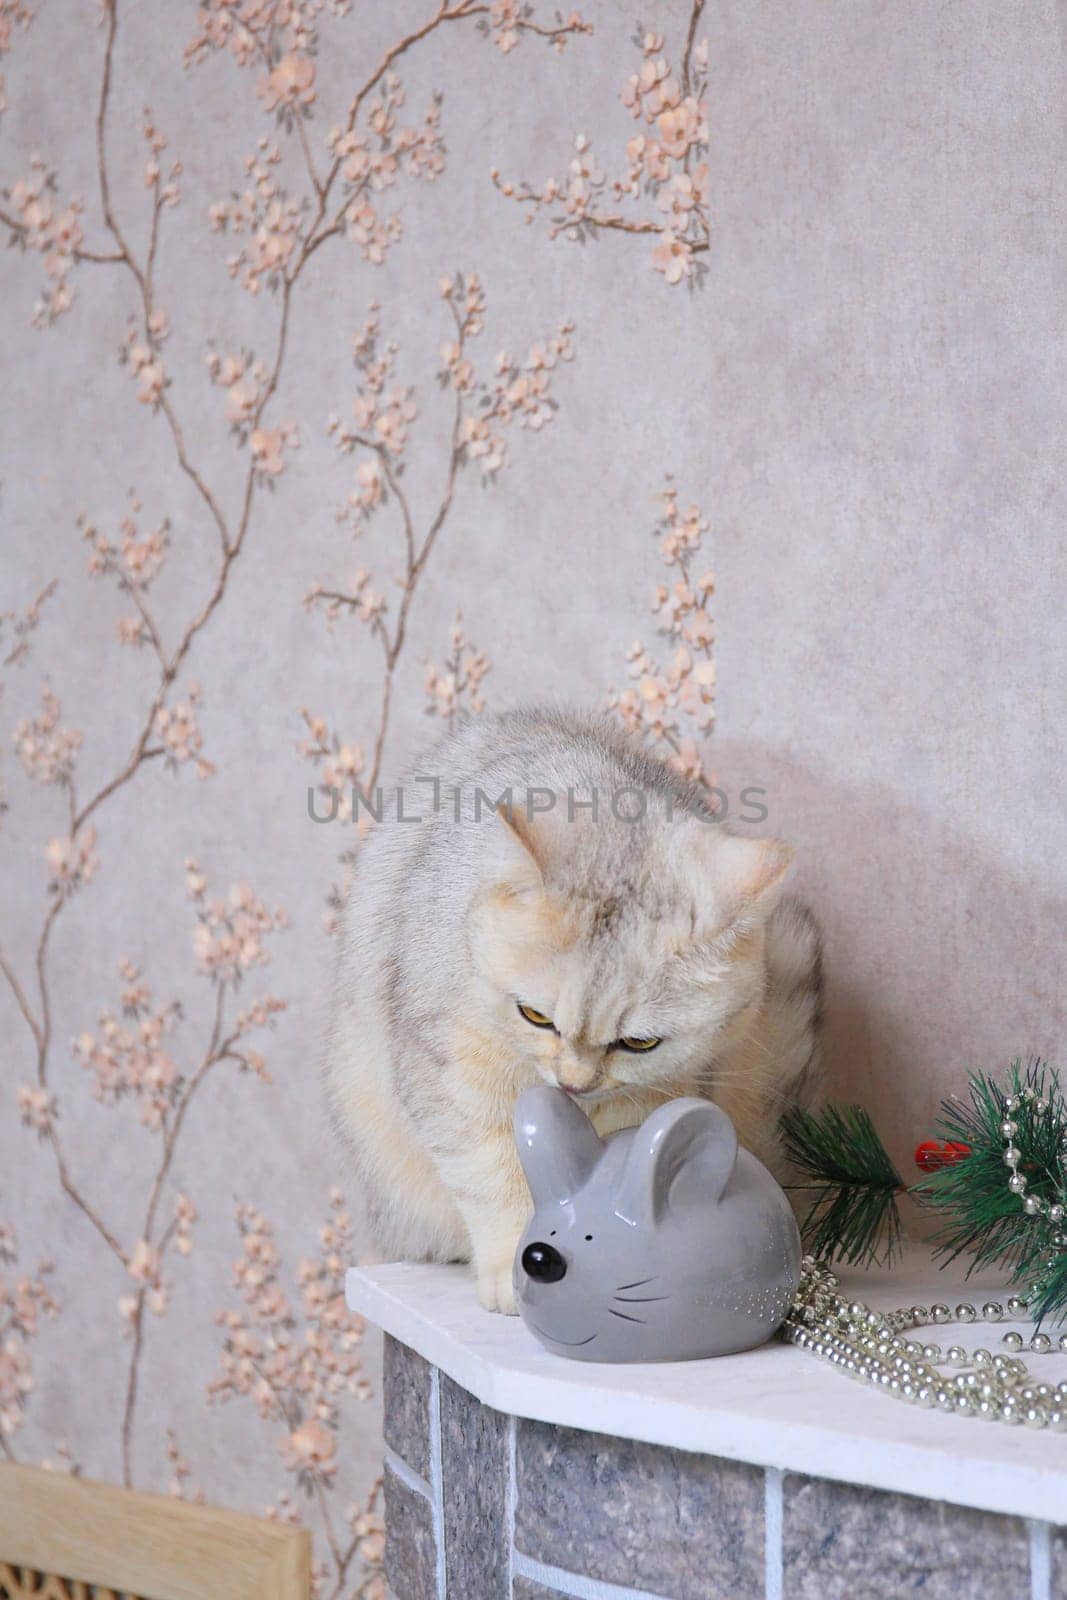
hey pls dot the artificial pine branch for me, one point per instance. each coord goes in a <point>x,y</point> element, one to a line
<point>981,1216</point>
<point>853,1214</point>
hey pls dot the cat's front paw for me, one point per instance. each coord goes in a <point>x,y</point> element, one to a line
<point>495,1289</point>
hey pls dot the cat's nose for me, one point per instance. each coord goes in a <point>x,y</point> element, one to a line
<point>543,1263</point>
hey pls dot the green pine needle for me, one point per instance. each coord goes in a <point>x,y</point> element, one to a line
<point>1047,1297</point>
<point>981,1218</point>
<point>853,1215</point>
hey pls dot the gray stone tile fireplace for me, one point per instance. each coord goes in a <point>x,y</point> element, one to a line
<point>491,1502</point>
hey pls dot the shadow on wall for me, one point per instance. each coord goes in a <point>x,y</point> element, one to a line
<point>937,954</point>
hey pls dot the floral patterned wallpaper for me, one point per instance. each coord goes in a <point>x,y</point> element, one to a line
<point>219,260</point>
<point>368,362</point>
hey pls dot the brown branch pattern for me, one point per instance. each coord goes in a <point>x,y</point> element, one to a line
<point>666,163</point>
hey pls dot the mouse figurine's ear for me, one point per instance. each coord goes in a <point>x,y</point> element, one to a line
<point>558,1145</point>
<point>682,1155</point>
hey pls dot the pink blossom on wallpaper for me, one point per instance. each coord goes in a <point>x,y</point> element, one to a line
<point>244,379</point>
<point>340,765</point>
<point>297,1356</point>
<point>368,158</point>
<point>13,14</point>
<point>137,1057</point>
<point>265,218</point>
<point>664,163</point>
<point>133,563</point>
<point>672,705</point>
<point>519,391</point>
<point>672,257</point>
<point>255,29</point>
<point>270,222</point>
<point>72,862</point>
<point>230,935</point>
<point>153,1292</point>
<point>131,1057</point>
<point>64,1461</point>
<point>179,734</point>
<point>18,626</point>
<point>365,1527</point>
<point>310,1447</point>
<point>145,365</point>
<point>24,1300</point>
<point>457,685</point>
<point>134,1057</point>
<point>371,162</point>
<point>291,83</point>
<point>180,1470</point>
<point>40,221</point>
<point>269,445</point>
<point>144,1262</point>
<point>295,1359</point>
<point>382,411</point>
<point>185,1214</point>
<point>509,19</point>
<point>163,184</point>
<point>136,560</point>
<point>46,749</point>
<point>37,1108</point>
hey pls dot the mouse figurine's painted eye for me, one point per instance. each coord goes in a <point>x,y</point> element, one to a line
<point>543,1263</point>
<point>538,1018</point>
<point>637,1046</point>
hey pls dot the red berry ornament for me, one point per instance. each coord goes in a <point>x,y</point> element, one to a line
<point>933,1154</point>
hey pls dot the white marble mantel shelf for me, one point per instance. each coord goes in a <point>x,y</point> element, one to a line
<point>776,1407</point>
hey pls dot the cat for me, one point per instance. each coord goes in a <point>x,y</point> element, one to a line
<point>628,949</point>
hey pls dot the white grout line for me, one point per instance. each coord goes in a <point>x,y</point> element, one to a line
<point>414,1480</point>
<point>573,1583</point>
<point>1040,1561</point>
<point>772,1532</point>
<point>511,1503</point>
<point>437,1491</point>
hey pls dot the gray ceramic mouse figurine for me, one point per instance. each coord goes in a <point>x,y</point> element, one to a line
<point>661,1243</point>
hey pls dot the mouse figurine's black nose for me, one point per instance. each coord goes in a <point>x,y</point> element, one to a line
<point>543,1263</point>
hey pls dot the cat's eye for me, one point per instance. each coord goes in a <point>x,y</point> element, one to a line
<point>636,1046</point>
<point>538,1018</point>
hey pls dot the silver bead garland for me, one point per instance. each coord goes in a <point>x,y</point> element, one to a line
<point>1035,1207</point>
<point>872,1347</point>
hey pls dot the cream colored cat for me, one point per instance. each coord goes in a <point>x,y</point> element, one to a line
<point>626,961</point>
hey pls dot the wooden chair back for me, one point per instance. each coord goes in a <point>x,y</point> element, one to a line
<point>65,1538</point>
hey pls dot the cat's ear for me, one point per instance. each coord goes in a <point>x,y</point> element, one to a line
<point>753,871</point>
<point>681,1156</point>
<point>513,921</point>
<point>735,881</point>
<point>513,852</point>
<point>528,836</point>
<point>557,1144</point>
